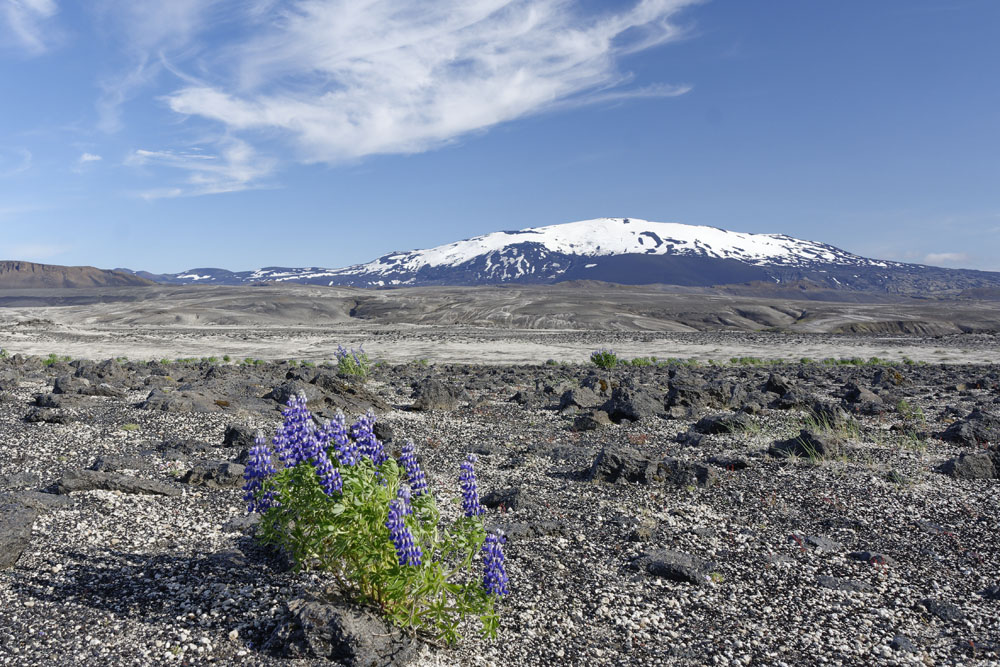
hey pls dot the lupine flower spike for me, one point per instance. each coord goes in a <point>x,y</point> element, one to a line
<point>407,552</point>
<point>293,432</point>
<point>494,572</point>
<point>363,432</point>
<point>470,494</point>
<point>414,474</point>
<point>336,433</point>
<point>259,468</point>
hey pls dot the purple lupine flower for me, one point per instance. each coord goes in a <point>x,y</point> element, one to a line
<point>414,474</point>
<point>294,431</point>
<point>405,495</point>
<point>259,467</point>
<point>470,494</point>
<point>364,434</point>
<point>313,449</point>
<point>407,552</point>
<point>336,433</point>
<point>494,572</point>
<point>329,477</point>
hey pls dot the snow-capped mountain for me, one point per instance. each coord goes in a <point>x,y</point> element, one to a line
<point>620,250</point>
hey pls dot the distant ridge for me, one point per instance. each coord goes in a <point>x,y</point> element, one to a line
<point>626,251</point>
<point>25,275</point>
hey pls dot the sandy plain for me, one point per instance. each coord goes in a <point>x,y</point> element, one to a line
<point>504,325</point>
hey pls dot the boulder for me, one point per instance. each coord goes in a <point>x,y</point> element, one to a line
<point>808,444</point>
<point>673,565</point>
<point>345,633</point>
<point>180,401</point>
<point>431,394</point>
<point>215,475</point>
<point>632,404</point>
<point>969,466</point>
<point>724,423</point>
<point>977,429</point>
<point>49,416</point>
<point>591,421</point>
<point>89,480</point>
<point>582,397</point>
<point>16,521</point>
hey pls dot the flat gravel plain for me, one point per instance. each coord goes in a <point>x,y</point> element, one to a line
<point>738,514</point>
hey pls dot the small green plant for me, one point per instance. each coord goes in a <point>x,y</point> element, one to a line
<point>642,361</point>
<point>340,504</point>
<point>422,362</point>
<point>604,358</point>
<point>55,358</point>
<point>354,363</point>
<point>226,358</point>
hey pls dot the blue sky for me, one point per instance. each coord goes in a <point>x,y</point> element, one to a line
<point>167,136</point>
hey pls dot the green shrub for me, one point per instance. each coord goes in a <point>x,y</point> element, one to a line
<point>604,358</point>
<point>354,363</point>
<point>340,504</point>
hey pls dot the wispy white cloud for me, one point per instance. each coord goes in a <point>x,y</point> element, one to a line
<point>14,161</point>
<point>235,166</point>
<point>30,252</point>
<point>147,31</point>
<point>26,22</point>
<point>947,258</point>
<point>89,157</point>
<point>345,79</point>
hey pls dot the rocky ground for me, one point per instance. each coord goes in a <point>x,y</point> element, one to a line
<point>675,514</point>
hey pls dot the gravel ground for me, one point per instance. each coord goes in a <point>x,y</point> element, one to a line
<point>867,557</point>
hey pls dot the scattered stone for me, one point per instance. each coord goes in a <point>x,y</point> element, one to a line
<point>946,611</point>
<point>778,384</point>
<point>732,463</point>
<point>528,529</point>
<point>179,401</point>
<point>19,480</point>
<point>241,524</point>
<point>848,585</point>
<point>507,499</point>
<point>686,474</point>
<point>872,558</point>
<point>113,462</point>
<point>903,644</point>
<point>645,531</point>
<point>215,475</point>
<point>37,500</point>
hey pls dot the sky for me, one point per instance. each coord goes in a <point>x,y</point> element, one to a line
<point>165,136</point>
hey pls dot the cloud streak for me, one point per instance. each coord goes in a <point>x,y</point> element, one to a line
<point>345,79</point>
<point>236,166</point>
<point>25,22</point>
<point>946,258</point>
